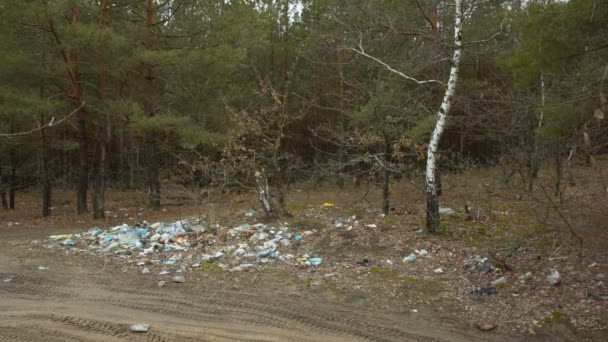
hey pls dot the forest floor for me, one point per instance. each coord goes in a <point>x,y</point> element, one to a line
<point>362,291</point>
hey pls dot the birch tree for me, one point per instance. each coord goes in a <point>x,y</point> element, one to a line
<point>432,218</point>
<point>432,201</point>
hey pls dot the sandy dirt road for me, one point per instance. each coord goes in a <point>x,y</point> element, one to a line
<point>91,299</point>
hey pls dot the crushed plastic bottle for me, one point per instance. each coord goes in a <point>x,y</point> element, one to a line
<point>315,261</point>
<point>140,327</point>
<point>409,258</point>
<point>267,254</point>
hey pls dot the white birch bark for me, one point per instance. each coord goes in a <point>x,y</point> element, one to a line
<point>431,164</point>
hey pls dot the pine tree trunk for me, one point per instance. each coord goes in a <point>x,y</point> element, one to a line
<point>12,179</point>
<point>70,58</point>
<point>100,182</point>
<point>150,151</point>
<point>432,215</point>
<point>83,170</point>
<point>341,105</point>
<point>44,170</point>
<point>3,191</point>
<point>104,137</point>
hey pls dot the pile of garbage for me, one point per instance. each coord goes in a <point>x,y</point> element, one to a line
<point>179,247</point>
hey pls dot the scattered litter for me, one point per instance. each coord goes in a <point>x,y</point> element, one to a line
<point>364,262</point>
<point>140,327</point>
<point>328,204</point>
<point>298,238</point>
<point>409,258</point>
<point>447,211</point>
<point>161,283</point>
<point>315,261</point>
<point>267,254</point>
<point>242,267</point>
<point>478,265</point>
<point>553,278</point>
<point>438,270</point>
<point>42,268</point>
<point>8,280</point>
<point>145,270</point>
<point>179,279</point>
<point>371,225</point>
<point>422,252</point>
<point>61,237</point>
<point>500,281</point>
<point>526,276</point>
<point>485,326</point>
<point>480,291</point>
<point>414,311</point>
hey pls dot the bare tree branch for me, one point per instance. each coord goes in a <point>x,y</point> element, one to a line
<point>50,124</point>
<point>362,52</point>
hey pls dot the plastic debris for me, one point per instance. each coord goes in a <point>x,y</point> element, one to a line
<point>242,267</point>
<point>140,327</point>
<point>409,258</point>
<point>526,276</point>
<point>438,270</point>
<point>477,265</point>
<point>169,248</point>
<point>61,237</point>
<point>267,254</point>
<point>422,252</point>
<point>364,262</point>
<point>553,278</point>
<point>485,326</point>
<point>500,281</point>
<point>42,268</point>
<point>328,205</point>
<point>477,293</point>
<point>447,211</point>
<point>315,261</point>
<point>178,279</point>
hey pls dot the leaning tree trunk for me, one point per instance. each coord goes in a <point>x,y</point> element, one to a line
<point>264,193</point>
<point>432,202</point>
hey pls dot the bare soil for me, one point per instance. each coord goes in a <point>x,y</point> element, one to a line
<point>79,297</point>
